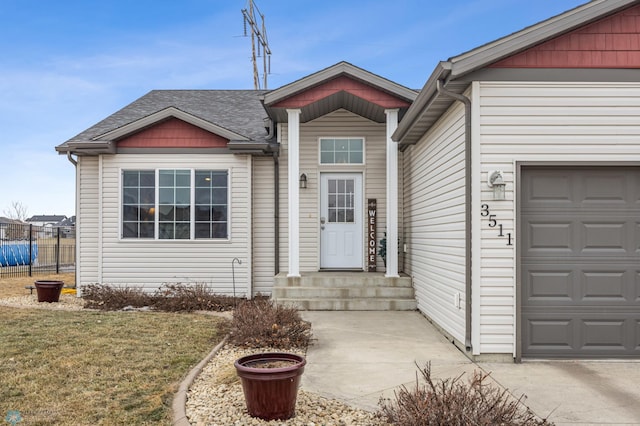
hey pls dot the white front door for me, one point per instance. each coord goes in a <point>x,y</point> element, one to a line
<point>341,245</point>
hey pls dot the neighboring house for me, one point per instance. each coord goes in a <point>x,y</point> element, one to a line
<point>67,227</point>
<point>7,228</point>
<point>268,191</point>
<point>68,222</point>
<point>46,220</point>
<point>552,268</point>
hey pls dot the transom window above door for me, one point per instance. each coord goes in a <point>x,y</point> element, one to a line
<point>341,151</point>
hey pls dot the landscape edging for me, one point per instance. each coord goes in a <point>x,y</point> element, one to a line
<point>179,403</point>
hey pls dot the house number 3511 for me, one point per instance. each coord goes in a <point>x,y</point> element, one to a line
<point>493,223</point>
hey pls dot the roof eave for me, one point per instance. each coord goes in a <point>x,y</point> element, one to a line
<point>422,102</point>
<point>87,148</point>
<point>243,147</point>
<point>458,66</point>
<point>538,33</point>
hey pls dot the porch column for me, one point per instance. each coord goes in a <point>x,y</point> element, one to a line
<point>294,191</point>
<point>392,195</point>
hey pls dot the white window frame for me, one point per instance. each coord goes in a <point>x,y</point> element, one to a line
<point>192,212</point>
<point>364,151</point>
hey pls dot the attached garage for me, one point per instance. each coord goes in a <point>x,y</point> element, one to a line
<point>521,203</point>
<point>580,262</point>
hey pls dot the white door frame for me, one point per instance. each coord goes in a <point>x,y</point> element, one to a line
<point>341,237</point>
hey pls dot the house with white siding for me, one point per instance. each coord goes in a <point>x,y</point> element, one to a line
<point>508,190</point>
<point>521,203</point>
<point>193,187</point>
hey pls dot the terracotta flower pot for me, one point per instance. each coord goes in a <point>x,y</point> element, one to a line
<point>270,383</point>
<point>49,291</point>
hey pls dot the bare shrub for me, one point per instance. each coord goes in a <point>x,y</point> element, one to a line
<point>452,402</point>
<point>108,298</point>
<point>171,298</point>
<point>261,323</point>
<point>189,298</point>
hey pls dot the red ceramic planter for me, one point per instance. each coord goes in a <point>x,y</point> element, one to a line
<point>49,291</point>
<point>270,393</point>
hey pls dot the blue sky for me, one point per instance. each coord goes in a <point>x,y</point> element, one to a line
<point>67,64</point>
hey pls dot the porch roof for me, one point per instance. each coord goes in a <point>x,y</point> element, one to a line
<point>342,85</point>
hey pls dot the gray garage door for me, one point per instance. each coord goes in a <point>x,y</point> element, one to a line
<point>580,262</point>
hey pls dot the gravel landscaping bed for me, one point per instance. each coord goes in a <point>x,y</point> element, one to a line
<point>68,302</point>
<point>216,399</point>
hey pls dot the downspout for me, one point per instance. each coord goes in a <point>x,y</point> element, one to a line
<point>70,158</point>
<point>276,213</point>
<point>77,224</point>
<point>467,183</point>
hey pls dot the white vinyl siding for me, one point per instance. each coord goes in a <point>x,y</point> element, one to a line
<point>263,225</point>
<point>566,123</point>
<point>338,124</point>
<point>149,264</point>
<point>434,217</point>
<point>88,196</point>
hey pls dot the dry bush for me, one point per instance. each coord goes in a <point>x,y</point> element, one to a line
<point>261,323</point>
<point>171,298</point>
<point>189,298</point>
<point>452,402</point>
<point>108,298</point>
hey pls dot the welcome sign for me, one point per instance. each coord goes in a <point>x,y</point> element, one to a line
<point>371,232</point>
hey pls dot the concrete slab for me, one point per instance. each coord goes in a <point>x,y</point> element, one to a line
<point>575,392</point>
<point>359,357</point>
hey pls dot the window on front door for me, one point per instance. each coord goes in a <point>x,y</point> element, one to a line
<point>340,200</point>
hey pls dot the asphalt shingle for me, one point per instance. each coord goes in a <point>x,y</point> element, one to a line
<point>239,111</point>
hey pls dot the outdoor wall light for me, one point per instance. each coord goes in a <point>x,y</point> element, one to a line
<point>495,180</point>
<point>303,181</point>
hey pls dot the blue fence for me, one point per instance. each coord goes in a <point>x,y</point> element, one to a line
<point>17,253</point>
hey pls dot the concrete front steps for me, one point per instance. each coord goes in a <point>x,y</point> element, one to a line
<point>345,291</point>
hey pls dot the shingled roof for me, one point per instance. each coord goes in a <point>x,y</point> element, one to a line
<point>238,111</point>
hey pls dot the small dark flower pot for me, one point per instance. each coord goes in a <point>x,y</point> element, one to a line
<point>270,392</point>
<point>49,291</point>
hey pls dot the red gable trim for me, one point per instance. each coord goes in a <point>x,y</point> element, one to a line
<point>613,42</point>
<point>173,133</point>
<point>340,84</point>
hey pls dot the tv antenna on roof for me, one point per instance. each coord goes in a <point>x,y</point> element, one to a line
<point>259,42</point>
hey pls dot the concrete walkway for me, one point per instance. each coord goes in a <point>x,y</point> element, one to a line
<point>360,356</point>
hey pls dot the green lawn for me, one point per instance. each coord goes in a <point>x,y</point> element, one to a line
<point>97,368</point>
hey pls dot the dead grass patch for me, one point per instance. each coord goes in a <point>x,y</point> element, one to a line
<point>98,368</point>
<point>14,286</point>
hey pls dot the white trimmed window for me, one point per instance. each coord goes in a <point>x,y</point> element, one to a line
<point>211,204</point>
<point>341,151</point>
<point>175,204</point>
<point>138,203</point>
